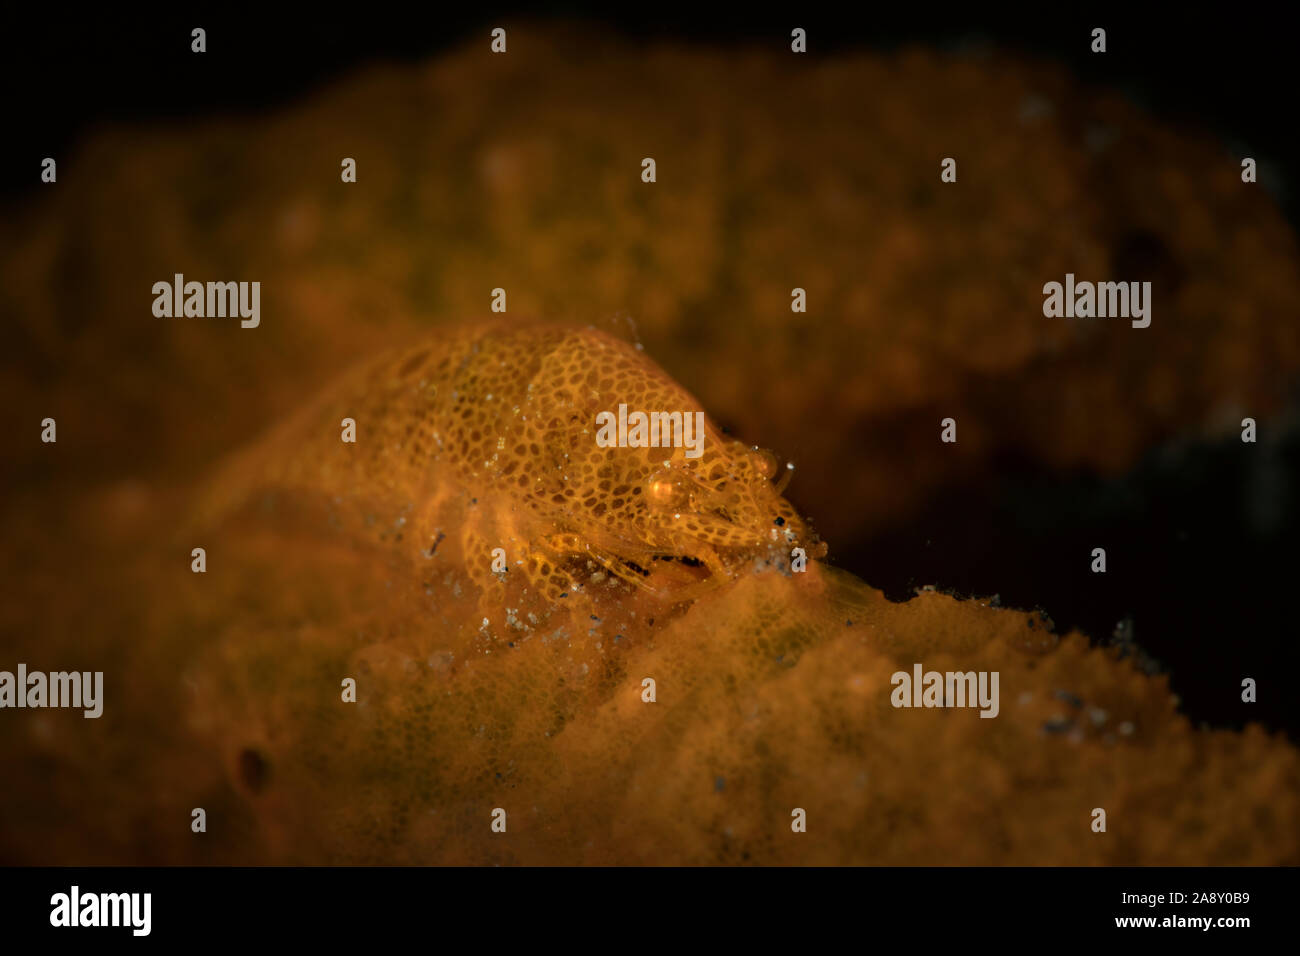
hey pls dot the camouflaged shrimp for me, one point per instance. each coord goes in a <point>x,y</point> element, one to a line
<point>489,431</point>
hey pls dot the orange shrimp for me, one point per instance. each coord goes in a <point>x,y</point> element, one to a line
<point>487,433</point>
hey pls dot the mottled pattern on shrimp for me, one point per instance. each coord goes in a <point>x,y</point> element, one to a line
<point>504,414</point>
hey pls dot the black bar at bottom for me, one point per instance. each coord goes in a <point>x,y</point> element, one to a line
<point>455,908</point>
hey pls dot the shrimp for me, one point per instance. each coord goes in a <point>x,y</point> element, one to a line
<point>487,433</point>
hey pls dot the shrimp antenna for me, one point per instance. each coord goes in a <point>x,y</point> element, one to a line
<point>783,477</point>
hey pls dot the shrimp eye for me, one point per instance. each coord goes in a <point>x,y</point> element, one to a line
<point>764,461</point>
<point>666,492</point>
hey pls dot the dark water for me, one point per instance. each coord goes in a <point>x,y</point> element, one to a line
<point>1201,572</point>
